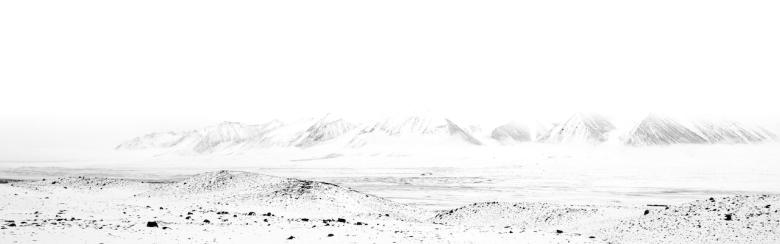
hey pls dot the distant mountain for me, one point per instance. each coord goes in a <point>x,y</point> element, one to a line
<point>581,128</point>
<point>659,130</point>
<point>414,126</point>
<point>731,132</point>
<point>425,131</point>
<point>525,131</point>
<point>206,140</point>
<point>226,134</point>
<point>323,130</point>
<point>237,137</point>
<point>160,140</point>
<point>512,132</point>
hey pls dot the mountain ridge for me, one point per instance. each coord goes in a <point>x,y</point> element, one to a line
<point>429,130</point>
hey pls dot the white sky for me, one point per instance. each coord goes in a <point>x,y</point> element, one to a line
<point>107,66</point>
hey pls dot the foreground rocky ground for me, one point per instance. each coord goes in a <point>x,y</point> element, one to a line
<point>241,207</point>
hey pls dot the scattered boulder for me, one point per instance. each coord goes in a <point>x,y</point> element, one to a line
<point>730,219</point>
<point>152,224</point>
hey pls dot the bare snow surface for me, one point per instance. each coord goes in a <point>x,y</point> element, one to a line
<point>242,207</point>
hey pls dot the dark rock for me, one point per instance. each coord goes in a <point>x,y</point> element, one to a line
<point>558,231</point>
<point>305,220</point>
<point>330,235</point>
<point>206,221</point>
<point>728,217</point>
<point>251,214</point>
<point>647,212</point>
<point>290,238</point>
<point>340,220</point>
<point>151,224</point>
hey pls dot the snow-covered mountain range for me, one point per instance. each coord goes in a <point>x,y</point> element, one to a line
<point>662,130</point>
<point>424,131</point>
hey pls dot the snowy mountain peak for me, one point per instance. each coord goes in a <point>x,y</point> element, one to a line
<point>325,129</point>
<point>455,130</point>
<point>732,132</point>
<point>225,134</point>
<point>413,127</point>
<point>157,140</point>
<point>512,131</point>
<point>408,125</point>
<point>662,130</point>
<point>581,128</point>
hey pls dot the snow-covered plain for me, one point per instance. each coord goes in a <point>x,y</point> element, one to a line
<point>613,184</point>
